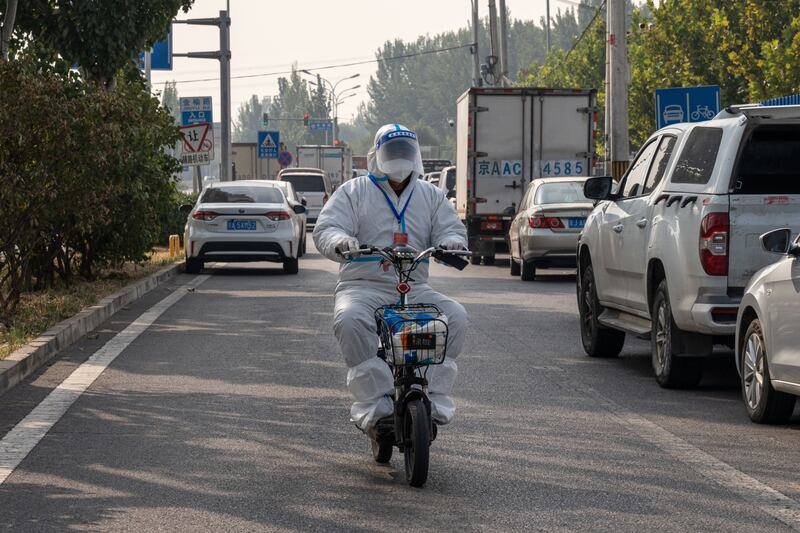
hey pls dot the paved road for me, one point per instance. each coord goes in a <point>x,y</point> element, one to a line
<point>229,413</point>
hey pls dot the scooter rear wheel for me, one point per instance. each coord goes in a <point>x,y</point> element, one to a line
<point>417,445</point>
<point>382,451</point>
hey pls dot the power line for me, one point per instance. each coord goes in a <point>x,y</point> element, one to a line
<point>340,65</point>
<point>575,44</point>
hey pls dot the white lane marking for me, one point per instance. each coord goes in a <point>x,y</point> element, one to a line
<point>19,442</point>
<point>769,500</point>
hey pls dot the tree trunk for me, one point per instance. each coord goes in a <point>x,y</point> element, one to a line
<point>7,29</point>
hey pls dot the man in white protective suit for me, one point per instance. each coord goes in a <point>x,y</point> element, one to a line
<point>375,210</point>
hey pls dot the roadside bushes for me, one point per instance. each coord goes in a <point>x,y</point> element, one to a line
<point>84,177</point>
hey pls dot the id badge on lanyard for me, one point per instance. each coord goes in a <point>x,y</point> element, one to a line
<point>399,238</point>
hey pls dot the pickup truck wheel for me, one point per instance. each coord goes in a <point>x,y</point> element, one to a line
<point>764,404</point>
<point>598,341</point>
<point>488,260</point>
<point>193,265</point>
<point>475,260</point>
<point>528,270</point>
<point>666,343</point>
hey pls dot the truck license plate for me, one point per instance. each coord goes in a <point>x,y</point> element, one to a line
<point>241,225</point>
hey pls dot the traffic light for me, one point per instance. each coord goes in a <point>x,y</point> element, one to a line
<point>266,119</point>
<point>305,119</point>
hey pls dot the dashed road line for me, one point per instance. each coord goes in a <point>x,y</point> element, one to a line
<point>762,496</point>
<point>24,437</point>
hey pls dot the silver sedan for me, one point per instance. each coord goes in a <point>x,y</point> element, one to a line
<point>545,231</point>
<point>767,329</point>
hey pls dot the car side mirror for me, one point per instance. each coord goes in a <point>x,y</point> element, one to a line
<point>599,188</point>
<point>451,194</point>
<point>185,209</point>
<point>299,209</point>
<point>777,241</point>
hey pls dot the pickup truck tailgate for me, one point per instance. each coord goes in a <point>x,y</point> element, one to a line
<point>751,216</point>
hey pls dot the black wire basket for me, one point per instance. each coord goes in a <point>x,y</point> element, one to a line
<point>412,335</point>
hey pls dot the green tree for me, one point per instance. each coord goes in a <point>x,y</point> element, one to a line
<point>81,32</point>
<point>170,100</point>
<point>250,119</point>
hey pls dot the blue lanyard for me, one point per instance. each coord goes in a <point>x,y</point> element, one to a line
<point>401,216</point>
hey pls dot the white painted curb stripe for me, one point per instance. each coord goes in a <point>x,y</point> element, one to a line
<point>19,442</point>
<point>764,497</point>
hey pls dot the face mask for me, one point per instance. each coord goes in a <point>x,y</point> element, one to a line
<point>398,177</point>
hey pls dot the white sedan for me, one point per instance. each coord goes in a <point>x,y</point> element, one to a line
<point>242,221</point>
<point>767,330</point>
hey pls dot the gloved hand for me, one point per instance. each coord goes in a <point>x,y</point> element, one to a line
<point>348,244</point>
<point>452,243</point>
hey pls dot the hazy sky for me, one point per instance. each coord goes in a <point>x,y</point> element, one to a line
<point>268,36</point>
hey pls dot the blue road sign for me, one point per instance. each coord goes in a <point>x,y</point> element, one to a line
<point>268,144</point>
<point>161,56</point>
<point>196,110</point>
<point>320,125</point>
<point>686,104</point>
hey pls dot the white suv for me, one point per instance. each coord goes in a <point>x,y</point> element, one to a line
<point>668,255</point>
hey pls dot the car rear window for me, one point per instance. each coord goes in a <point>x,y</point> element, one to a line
<point>696,162</point>
<point>769,162</point>
<point>566,192</point>
<point>245,195</point>
<point>305,182</point>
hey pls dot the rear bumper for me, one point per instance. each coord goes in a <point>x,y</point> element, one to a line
<point>544,244</point>
<point>210,246</point>
<point>242,251</point>
<point>715,318</point>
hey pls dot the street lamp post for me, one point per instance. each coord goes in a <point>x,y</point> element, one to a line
<point>334,100</point>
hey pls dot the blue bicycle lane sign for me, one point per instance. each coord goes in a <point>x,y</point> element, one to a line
<point>686,104</point>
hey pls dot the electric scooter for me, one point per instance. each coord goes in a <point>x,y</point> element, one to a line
<point>412,338</point>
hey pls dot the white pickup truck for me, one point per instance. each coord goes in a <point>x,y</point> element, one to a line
<point>667,255</point>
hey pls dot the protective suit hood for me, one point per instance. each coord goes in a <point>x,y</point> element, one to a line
<point>395,154</point>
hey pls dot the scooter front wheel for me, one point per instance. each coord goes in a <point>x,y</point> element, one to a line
<point>417,445</point>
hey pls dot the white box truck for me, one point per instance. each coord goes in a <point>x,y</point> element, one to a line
<point>247,165</point>
<point>505,137</point>
<point>336,161</point>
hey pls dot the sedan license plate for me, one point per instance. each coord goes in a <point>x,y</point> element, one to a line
<point>576,222</point>
<point>241,225</point>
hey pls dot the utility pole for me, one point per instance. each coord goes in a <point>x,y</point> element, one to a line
<point>148,67</point>
<point>505,81</point>
<point>223,22</point>
<point>547,27</point>
<point>225,93</point>
<point>476,60</point>
<point>617,95</point>
<point>491,60</point>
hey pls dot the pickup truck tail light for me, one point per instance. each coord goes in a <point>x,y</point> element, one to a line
<point>277,215</point>
<point>204,215</point>
<point>714,231</point>
<point>545,222</point>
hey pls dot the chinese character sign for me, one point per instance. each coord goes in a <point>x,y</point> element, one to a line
<point>500,168</point>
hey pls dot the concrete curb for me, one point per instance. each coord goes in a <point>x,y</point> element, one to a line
<point>24,361</point>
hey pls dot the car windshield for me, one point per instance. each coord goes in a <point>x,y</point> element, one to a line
<point>566,192</point>
<point>305,182</point>
<point>451,179</point>
<point>244,195</point>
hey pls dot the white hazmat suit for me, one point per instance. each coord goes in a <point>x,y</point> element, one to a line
<point>359,213</point>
